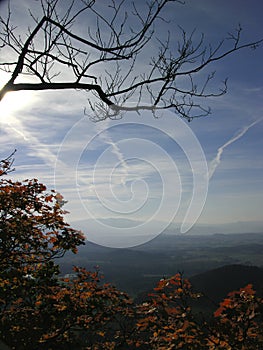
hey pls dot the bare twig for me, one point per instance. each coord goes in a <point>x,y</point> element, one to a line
<point>106,58</point>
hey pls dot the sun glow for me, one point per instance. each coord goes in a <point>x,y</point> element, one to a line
<point>12,103</point>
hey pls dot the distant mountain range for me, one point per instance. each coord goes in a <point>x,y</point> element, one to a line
<point>108,228</point>
<point>231,227</point>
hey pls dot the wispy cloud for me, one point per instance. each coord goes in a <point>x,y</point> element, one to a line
<point>217,160</point>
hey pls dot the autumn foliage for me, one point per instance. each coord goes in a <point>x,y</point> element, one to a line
<point>41,310</point>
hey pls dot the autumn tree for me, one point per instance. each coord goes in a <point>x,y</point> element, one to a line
<point>32,226</point>
<point>39,310</point>
<point>32,234</point>
<point>102,48</point>
<point>168,320</point>
<point>240,318</point>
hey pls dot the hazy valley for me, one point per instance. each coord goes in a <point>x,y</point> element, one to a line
<point>235,259</point>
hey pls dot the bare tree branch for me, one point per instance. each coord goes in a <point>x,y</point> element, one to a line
<point>99,49</point>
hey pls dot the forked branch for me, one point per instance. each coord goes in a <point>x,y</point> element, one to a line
<point>106,57</point>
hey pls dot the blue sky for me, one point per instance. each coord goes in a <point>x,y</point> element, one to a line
<point>125,181</point>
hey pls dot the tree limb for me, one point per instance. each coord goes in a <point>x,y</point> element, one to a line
<point>107,61</point>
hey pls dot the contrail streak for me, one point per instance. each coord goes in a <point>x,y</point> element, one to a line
<point>104,135</point>
<point>40,150</point>
<point>217,160</point>
<point>19,132</point>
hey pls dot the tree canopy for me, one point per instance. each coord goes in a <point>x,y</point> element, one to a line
<point>116,52</point>
<point>38,310</point>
